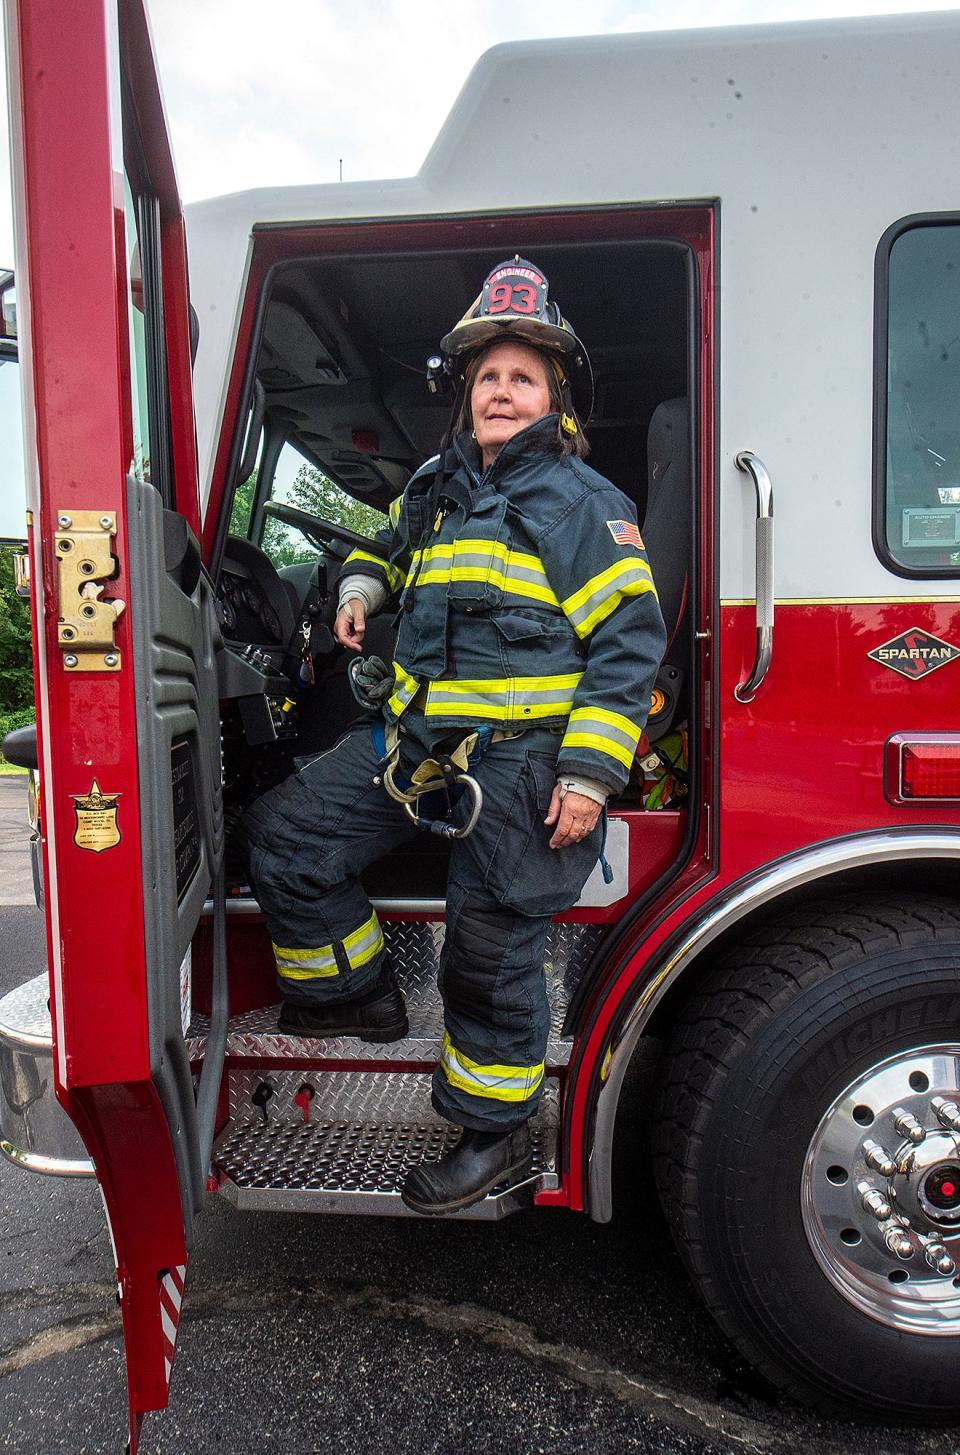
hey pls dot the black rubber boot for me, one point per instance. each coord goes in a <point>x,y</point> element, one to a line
<point>477,1164</point>
<point>379,1014</point>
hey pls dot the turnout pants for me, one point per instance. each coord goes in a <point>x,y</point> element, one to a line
<point>311,837</point>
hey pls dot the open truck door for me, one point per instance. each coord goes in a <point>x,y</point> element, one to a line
<point>126,636</point>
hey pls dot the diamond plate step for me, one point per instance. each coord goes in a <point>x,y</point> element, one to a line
<point>415,950</point>
<point>363,1134</point>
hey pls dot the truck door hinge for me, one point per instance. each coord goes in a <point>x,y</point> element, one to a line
<point>85,630</point>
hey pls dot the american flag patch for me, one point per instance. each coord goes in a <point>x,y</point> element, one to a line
<point>625,533</point>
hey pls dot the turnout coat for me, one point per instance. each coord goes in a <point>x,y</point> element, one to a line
<point>527,600</point>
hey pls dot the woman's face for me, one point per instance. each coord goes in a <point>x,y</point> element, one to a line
<point>509,392</point>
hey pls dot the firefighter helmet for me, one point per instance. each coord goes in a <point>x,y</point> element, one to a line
<point>514,303</point>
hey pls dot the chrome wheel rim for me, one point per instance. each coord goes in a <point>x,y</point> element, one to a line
<point>880,1192</point>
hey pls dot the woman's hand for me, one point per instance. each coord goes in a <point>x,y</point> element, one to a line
<point>575,817</point>
<point>350,625</point>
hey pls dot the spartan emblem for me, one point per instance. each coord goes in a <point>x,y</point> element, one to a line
<point>96,826</point>
<point>914,653</point>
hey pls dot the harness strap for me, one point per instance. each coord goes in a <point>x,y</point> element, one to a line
<point>447,774</point>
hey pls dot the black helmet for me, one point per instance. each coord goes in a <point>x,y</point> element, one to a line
<point>514,304</point>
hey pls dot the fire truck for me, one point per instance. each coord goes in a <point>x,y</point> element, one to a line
<point>752,230</point>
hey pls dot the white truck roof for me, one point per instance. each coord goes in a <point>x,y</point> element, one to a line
<point>814,137</point>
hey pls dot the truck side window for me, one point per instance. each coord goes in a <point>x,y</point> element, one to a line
<point>298,482</point>
<point>152,454</point>
<point>13,507</point>
<point>917,447</point>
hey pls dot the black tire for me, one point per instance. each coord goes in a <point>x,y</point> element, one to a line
<point>787,1021</point>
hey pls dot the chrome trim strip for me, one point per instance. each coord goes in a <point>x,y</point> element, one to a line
<point>247,905</point>
<point>733,904</point>
<point>750,464</point>
<point>47,1166</point>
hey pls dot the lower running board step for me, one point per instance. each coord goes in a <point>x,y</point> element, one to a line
<point>343,1141</point>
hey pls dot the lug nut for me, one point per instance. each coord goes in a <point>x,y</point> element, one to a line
<point>908,1126</point>
<point>895,1237</point>
<point>937,1256</point>
<point>874,1201</point>
<point>948,1113</point>
<point>878,1158</point>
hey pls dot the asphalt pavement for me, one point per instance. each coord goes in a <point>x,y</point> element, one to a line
<point>544,1333</point>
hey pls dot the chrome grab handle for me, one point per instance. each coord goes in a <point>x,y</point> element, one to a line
<point>751,465</point>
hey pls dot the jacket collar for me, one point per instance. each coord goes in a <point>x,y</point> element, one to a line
<point>539,438</point>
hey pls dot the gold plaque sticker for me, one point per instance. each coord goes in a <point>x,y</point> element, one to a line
<point>96,813</point>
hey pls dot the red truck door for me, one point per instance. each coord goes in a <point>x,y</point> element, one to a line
<point>125,633</point>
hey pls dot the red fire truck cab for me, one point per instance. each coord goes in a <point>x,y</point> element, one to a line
<point>752,231</point>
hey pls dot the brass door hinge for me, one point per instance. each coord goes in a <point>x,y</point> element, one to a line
<point>84,560</point>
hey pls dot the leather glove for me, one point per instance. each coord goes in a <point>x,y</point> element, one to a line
<point>371,681</point>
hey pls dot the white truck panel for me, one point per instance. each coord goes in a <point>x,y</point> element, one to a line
<point>814,137</point>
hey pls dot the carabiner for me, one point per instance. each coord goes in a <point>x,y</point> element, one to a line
<point>448,830</point>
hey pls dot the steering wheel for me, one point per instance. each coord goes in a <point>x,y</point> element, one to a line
<point>319,532</point>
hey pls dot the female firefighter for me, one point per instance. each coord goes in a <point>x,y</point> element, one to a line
<point>529,638</point>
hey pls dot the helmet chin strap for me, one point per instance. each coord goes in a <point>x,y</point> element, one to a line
<point>568,418</point>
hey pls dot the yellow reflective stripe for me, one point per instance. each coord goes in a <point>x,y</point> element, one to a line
<point>604,731</point>
<point>405,690</point>
<point>600,745</point>
<point>500,1083</point>
<point>320,962</point>
<point>393,511</point>
<point>394,577</point>
<point>611,719</point>
<point>503,699</point>
<point>518,572</point>
<point>602,594</point>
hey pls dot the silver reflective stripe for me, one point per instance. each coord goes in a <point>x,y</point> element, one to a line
<point>503,698</point>
<point>604,731</point>
<point>499,1083</point>
<point>624,583</point>
<point>360,951</point>
<point>586,720</point>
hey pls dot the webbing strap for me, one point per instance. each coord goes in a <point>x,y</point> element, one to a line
<point>433,774</point>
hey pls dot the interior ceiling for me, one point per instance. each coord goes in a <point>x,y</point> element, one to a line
<point>346,342</point>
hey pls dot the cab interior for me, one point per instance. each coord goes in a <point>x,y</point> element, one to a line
<point>339,389</point>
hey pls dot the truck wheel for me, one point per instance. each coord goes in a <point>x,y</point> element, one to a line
<point>807,1148</point>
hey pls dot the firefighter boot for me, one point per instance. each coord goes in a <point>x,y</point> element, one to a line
<point>477,1164</point>
<point>379,1014</point>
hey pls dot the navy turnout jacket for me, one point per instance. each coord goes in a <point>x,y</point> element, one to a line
<point>530,601</point>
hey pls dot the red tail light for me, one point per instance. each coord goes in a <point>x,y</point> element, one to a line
<point>926,767</point>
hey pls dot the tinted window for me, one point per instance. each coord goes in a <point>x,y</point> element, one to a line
<point>919,472</point>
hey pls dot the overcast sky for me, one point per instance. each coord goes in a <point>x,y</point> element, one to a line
<point>278,94</point>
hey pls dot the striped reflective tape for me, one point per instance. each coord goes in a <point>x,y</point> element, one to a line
<point>602,594</point>
<point>393,511</point>
<point>517,572</point>
<point>171,1300</point>
<point>500,1083</point>
<point>604,731</point>
<point>405,690</point>
<point>393,577</point>
<point>503,699</point>
<point>320,962</point>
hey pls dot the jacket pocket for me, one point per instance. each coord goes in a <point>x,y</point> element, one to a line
<point>524,873</point>
<point>537,645</point>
